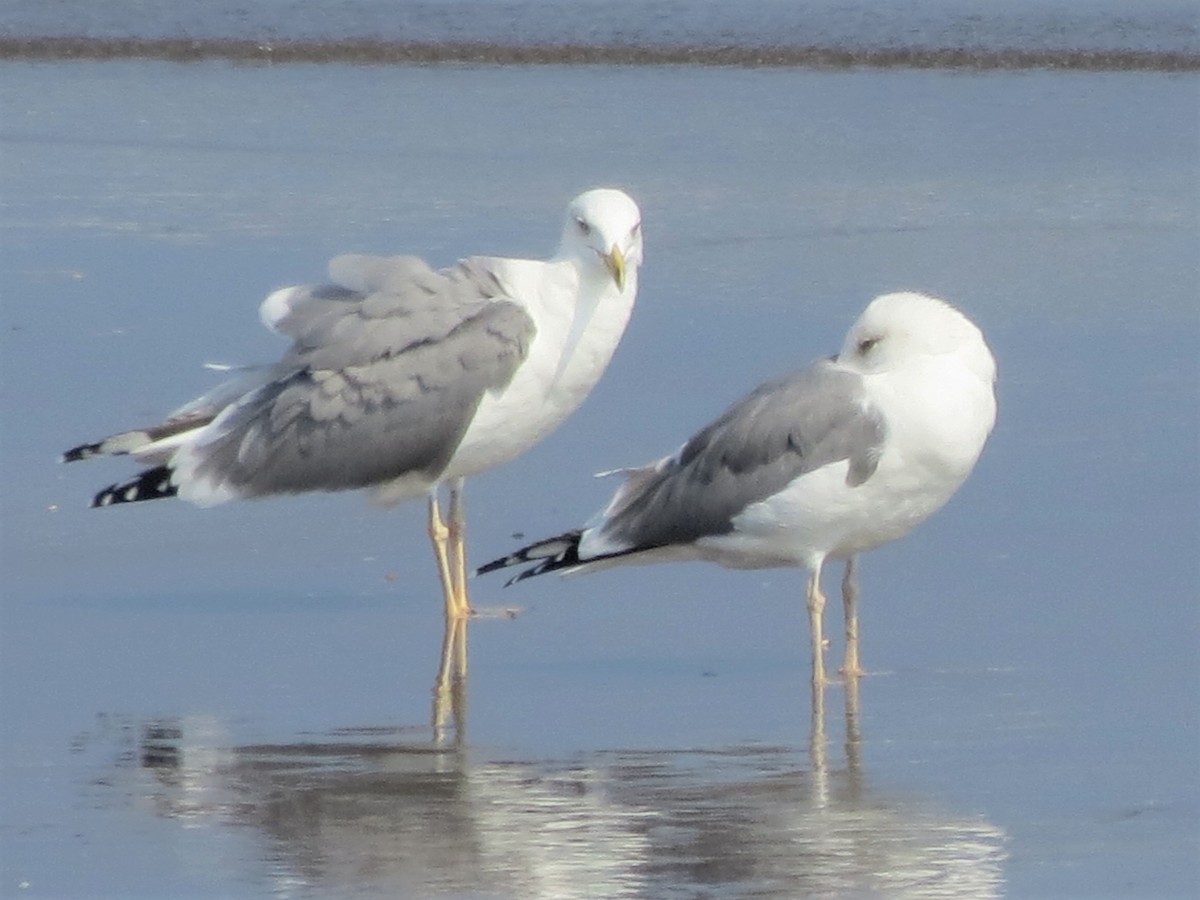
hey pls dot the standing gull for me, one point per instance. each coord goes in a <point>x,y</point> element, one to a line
<point>401,379</point>
<point>838,458</point>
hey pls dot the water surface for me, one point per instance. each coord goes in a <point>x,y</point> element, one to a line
<point>237,701</point>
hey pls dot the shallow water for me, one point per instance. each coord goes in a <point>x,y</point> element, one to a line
<point>237,701</point>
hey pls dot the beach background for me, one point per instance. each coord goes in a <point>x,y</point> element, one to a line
<point>237,701</point>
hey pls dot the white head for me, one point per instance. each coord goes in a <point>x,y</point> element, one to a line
<point>603,231</point>
<point>896,329</point>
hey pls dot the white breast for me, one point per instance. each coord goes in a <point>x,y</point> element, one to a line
<point>569,354</point>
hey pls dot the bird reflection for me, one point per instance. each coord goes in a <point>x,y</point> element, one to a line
<point>406,813</point>
<point>450,685</point>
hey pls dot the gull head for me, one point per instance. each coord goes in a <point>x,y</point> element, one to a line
<point>603,232</point>
<point>898,329</point>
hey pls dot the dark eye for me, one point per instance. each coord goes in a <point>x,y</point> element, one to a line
<point>865,345</point>
<point>584,228</point>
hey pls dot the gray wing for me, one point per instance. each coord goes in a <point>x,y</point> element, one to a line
<point>380,381</point>
<point>780,431</point>
<point>377,307</point>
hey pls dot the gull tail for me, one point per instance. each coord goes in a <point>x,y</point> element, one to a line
<point>149,445</point>
<point>152,447</point>
<point>152,484</point>
<point>123,444</point>
<point>550,555</point>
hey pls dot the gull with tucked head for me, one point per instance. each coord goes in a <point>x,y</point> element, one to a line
<point>825,463</point>
<point>402,378</point>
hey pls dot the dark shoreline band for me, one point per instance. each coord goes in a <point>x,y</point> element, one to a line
<point>355,51</point>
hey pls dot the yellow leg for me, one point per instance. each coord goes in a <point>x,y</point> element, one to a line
<point>851,668</point>
<point>459,670</point>
<point>458,548</point>
<point>816,610</point>
<point>438,534</point>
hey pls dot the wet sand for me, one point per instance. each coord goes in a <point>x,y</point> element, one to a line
<point>373,52</point>
<point>238,701</point>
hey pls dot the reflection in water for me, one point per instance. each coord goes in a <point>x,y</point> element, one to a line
<point>389,810</point>
<point>450,686</point>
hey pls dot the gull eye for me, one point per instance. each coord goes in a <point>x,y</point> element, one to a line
<point>865,345</point>
<point>635,230</point>
<point>584,228</point>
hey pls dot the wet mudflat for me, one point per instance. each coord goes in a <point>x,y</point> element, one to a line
<point>238,700</point>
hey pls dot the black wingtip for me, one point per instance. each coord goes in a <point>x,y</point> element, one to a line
<point>546,565</point>
<point>553,553</point>
<point>152,484</point>
<point>83,451</point>
<point>501,563</point>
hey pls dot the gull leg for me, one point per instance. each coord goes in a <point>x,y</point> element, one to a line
<point>458,548</point>
<point>460,656</point>
<point>816,609</point>
<point>851,668</point>
<point>438,534</point>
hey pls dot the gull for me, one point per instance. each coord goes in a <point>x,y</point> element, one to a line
<point>825,463</point>
<point>403,379</point>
